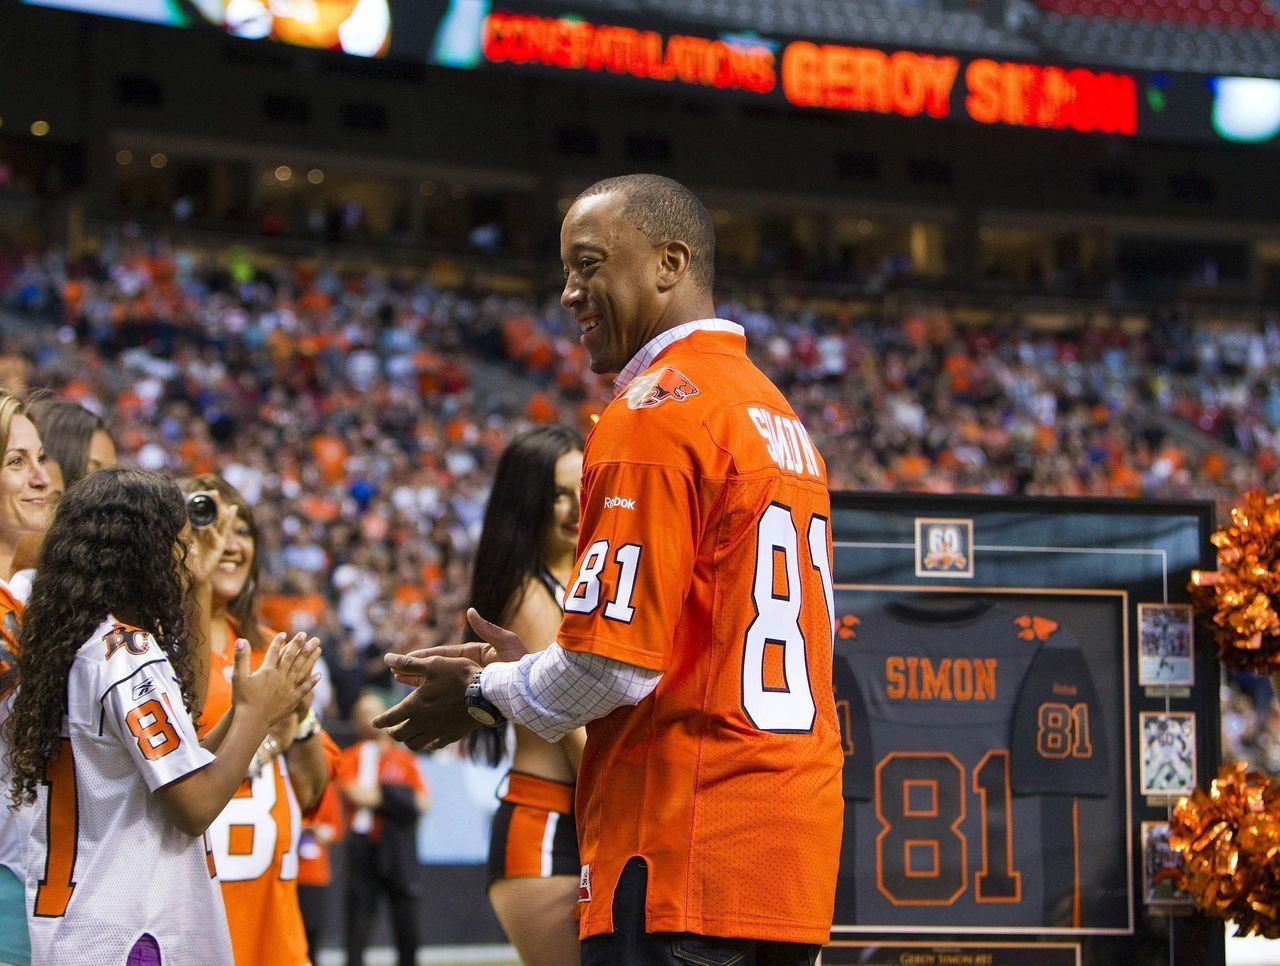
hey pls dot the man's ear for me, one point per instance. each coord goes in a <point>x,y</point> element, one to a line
<point>674,258</point>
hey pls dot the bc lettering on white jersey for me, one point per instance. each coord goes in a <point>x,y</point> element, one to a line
<point>105,864</point>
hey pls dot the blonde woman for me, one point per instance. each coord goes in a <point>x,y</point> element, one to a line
<point>25,509</point>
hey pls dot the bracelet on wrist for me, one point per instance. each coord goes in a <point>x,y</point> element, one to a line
<point>266,751</point>
<point>308,727</point>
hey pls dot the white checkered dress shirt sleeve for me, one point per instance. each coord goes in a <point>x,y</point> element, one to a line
<point>555,691</point>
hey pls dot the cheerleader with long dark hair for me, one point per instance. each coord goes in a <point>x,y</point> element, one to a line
<point>524,559</point>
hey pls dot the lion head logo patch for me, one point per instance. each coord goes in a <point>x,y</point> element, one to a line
<point>655,388</point>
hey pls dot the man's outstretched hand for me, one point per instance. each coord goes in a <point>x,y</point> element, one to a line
<point>496,645</point>
<point>435,714</point>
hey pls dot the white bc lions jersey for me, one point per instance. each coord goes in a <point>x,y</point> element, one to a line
<point>105,865</point>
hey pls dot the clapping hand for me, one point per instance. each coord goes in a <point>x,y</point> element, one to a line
<point>286,676</point>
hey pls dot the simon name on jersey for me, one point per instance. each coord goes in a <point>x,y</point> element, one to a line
<point>787,440</point>
<point>950,679</point>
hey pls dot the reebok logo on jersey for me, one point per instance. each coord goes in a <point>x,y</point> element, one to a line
<point>655,388</point>
<point>143,688</point>
<point>619,503</point>
<point>584,884</point>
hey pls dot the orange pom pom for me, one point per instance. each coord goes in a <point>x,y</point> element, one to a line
<point>1228,839</point>
<point>1242,597</point>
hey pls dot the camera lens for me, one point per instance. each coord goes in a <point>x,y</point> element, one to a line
<point>202,510</point>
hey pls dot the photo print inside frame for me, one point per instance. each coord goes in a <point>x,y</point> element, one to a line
<point>1160,866</point>
<point>1168,753</point>
<point>1166,645</point>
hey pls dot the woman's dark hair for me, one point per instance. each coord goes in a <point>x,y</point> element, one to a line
<point>243,608</point>
<point>66,429</point>
<point>113,548</point>
<point>521,508</point>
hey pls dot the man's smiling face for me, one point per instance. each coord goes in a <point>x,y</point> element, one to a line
<point>611,280</point>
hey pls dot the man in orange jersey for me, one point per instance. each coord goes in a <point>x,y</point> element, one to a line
<point>697,631</point>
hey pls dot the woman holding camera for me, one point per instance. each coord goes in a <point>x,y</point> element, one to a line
<point>524,558</point>
<point>288,774</point>
<point>25,510</point>
<point>103,737</point>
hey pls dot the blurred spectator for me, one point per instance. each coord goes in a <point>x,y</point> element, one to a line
<point>74,438</point>
<point>361,410</point>
<point>385,796</point>
<point>320,830</point>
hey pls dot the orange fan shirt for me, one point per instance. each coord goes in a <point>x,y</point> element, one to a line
<point>705,552</point>
<point>371,762</point>
<point>255,842</point>
<point>313,852</point>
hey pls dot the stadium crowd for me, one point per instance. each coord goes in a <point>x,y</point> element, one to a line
<point>361,412</point>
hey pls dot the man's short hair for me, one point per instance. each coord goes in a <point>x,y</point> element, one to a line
<point>664,210</point>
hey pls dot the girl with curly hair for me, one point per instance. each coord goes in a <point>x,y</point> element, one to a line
<point>102,735</point>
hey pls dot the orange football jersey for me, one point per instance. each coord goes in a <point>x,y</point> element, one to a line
<point>705,552</point>
<point>388,764</point>
<point>255,843</point>
<point>313,854</point>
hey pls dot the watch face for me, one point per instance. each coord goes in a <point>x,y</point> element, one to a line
<point>485,717</point>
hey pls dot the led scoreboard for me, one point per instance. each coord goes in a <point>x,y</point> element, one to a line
<point>593,42</point>
<point>830,76</point>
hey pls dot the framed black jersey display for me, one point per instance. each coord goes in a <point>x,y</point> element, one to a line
<point>1003,744</point>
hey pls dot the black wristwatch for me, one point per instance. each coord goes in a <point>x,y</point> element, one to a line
<point>480,707</point>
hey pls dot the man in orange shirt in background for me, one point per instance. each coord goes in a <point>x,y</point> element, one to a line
<point>385,796</point>
<point>697,633</point>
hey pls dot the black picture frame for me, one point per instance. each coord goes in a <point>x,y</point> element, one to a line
<point>1089,564</point>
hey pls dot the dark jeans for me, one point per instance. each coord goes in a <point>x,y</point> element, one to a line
<point>313,903</point>
<point>630,945</point>
<point>365,884</point>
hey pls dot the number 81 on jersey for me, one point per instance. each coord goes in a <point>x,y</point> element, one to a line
<point>776,694</point>
<point>783,702</point>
